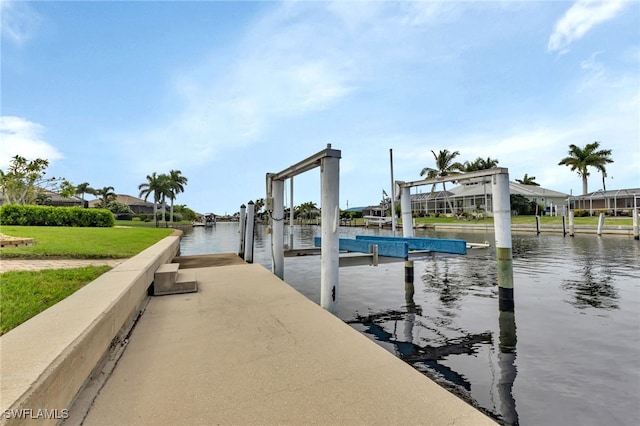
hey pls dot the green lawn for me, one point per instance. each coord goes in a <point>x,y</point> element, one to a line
<point>24,294</point>
<point>82,243</point>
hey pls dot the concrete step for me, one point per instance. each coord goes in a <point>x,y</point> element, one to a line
<point>186,282</point>
<point>183,281</point>
<point>164,278</point>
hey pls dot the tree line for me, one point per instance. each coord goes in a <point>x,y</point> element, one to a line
<point>25,182</point>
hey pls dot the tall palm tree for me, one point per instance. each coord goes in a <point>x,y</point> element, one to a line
<point>106,195</point>
<point>528,180</point>
<point>445,166</point>
<point>84,188</point>
<point>176,186</point>
<point>158,185</point>
<point>580,159</point>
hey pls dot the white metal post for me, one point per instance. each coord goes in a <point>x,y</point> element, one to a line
<point>248,246</point>
<point>277,227</point>
<point>502,225</point>
<point>291,216</point>
<point>329,264</point>
<point>405,207</point>
<point>393,196</point>
<point>242,230</point>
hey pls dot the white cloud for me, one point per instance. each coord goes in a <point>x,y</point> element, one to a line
<point>579,19</point>
<point>18,21</point>
<point>280,69</point>
<point>421,13</point>
<point>22,137</point>
<point>595,72</point>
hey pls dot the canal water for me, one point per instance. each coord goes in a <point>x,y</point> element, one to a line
<point>569,355</point>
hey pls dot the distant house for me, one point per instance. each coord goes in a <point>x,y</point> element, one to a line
<point>474,196</point>
<point>50,198</point>
<point>617,202</point>
<point>137,205</point>
<point>378,210</point>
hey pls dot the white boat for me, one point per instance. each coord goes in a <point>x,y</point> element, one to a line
<point>377,220</point>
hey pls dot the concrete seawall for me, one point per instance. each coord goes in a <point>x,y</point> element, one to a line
<point>245,349</point>
<point>45,361</point>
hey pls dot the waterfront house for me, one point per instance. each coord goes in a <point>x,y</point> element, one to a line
<point>615,202</point>
<point>137,205</point>
<point>474,197</point>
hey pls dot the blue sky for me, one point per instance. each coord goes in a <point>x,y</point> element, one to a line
<point>110,92</point>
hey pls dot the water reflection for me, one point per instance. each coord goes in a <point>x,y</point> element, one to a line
<point>446,284</point>
<point>507,365</point>
<point>592,287</point>
<point>427,355</point>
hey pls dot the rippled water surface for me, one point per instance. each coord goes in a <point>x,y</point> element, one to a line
<point>569,355</point>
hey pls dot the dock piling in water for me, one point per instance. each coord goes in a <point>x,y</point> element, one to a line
<point>571,227</point>
<point>600,224</point>
<point>408,271</point>
<point>242,230</point>
<point>502,223</point>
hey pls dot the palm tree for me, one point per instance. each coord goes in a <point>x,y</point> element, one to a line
<point>176,186</point>
<point>445,166</point>
<point>305,209</point>
<point>84,188</point>
<point>479,164</point>
<point>528,180</point>
<point>158,185</point>
<point>257,208</point>
<point>580,159</point>
<point>106,195</point>
<point>602,169</point>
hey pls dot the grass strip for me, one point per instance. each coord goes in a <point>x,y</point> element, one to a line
<point>81,243</point>
<point>24,294</point>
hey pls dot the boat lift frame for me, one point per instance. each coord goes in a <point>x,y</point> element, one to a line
<point>329,162</point>
<point>501,221</point>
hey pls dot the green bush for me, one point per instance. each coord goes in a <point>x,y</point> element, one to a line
<point>119,208</point>
<point>55,216</point>
<point>580,213</point>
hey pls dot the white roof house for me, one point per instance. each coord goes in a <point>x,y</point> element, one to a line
<point>476,195</point>
<point>614,201</point>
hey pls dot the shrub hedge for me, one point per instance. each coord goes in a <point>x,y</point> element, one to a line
<point>55,216</point>
<point>580,213</point>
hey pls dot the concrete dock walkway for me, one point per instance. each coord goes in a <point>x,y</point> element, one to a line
<point>249,349</point>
